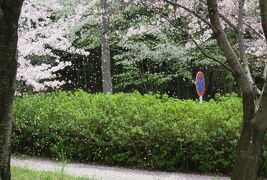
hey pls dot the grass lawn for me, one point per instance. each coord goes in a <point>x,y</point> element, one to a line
<point>27,174</point>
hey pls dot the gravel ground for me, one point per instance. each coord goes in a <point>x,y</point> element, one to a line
<point>105,173</point>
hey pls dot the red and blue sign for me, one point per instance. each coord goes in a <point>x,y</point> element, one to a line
<point>200,83</point>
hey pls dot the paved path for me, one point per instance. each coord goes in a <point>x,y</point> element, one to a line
<point>105,173</point>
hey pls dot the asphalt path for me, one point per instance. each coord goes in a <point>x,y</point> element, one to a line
<point>104,172</point>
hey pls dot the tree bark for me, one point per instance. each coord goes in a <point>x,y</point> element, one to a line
<point>252,134</point>
<point>248,154</point>
<point>245,82</point>
<point>9,15</point>
<point>105,49</point>
<point>250,143</point>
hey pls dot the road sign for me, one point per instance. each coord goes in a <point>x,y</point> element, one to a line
<point>200,85</point>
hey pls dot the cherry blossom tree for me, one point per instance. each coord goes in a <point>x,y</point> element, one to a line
<point>35,35</point>
<point>239,27</point>
<point>39,34</point>
<point>9,16</point>
<point>131,29</point>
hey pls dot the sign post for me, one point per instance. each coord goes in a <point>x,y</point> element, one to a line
<point>200,85</point>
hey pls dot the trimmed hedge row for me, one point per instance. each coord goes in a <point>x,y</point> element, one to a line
<point>149,131</point>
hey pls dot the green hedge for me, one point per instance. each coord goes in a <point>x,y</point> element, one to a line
<point>150,131</point>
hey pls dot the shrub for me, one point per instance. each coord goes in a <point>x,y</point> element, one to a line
<point>150,131</point>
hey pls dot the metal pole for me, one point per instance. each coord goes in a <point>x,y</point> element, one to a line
<point>201,99</point>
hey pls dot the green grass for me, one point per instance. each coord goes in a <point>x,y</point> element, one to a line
<point>27,174</point>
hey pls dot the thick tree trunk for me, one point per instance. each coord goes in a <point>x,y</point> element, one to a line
<point>8,67</point>
<point>249,145</point>
<point>105,50</point>
<point>9,14</point>
<point>248,154</point>
<point>254,125</point>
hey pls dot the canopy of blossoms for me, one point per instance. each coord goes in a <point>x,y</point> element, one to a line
<point>42,29</point>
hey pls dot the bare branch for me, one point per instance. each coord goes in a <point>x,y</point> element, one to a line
<point>254,30</point>
<point>221,38</point>
<point>265,73</point>
<point>233,26</point>
<point>210,57</point>
<point>263,12</point>
<point>241,46</point>
<point>229,22</point>
<point>194,41</point>
<point>242,77</point>
<point>261,114</point>
<point>240,37</point>
<point>191,11</point>
<point>110,12</point>
<point>264,89</point>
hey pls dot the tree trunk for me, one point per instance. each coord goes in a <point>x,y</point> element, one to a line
<point>9,14</point>
<point>105,49</point>
<point>250,144</point>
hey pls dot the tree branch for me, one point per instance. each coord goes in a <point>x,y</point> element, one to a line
<point>262,104</point>
<point>240,37</point>
<point>215,25</point>
<point>233,26</point>
<point>254,30</point>
<point>191,11</point>
<point>241,47</point>
<point>242,77</point>
<point>110,12</point>
<point>262,113</point>
<point>193,40</point>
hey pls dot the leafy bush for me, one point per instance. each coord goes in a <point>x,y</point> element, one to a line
<point>150,131</point>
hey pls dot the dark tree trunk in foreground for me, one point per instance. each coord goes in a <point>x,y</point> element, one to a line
<point>9,15</point>
<point>250,144</point>
<point>248,153</point>
<point>105,49</point>
<point>254,100</point>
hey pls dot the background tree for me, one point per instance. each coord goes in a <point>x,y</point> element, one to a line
<point>105,49</point>
<point>43,32</point>
<point>9,16</point>
<point>147,54</point>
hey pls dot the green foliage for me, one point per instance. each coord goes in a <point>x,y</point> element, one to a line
<point>147,53</point>
<point>150,131</point>
<point>19,173</point>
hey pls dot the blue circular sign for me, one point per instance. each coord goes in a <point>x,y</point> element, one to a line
<point>200,83</point>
